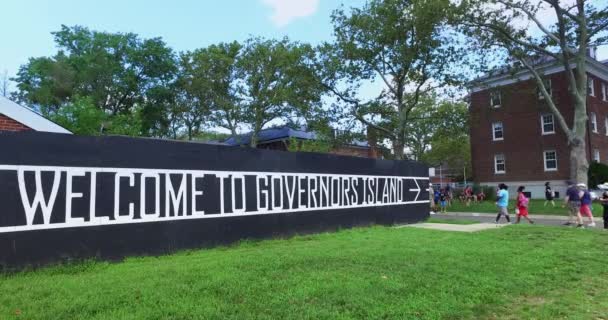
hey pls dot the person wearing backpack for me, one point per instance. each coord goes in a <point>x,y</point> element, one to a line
<point>522,205</point>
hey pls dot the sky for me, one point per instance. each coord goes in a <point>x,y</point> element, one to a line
<point>184,24</point>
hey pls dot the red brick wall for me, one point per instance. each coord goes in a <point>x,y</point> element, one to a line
<point>523,143</point>
<point>8,124</point>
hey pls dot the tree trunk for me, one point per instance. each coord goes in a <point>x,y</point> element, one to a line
<point>398,150</point>
<point>578,161</point>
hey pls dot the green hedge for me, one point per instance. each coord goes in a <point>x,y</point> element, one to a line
<point>597,174</point>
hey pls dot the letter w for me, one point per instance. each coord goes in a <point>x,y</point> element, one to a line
<point>39,201</point>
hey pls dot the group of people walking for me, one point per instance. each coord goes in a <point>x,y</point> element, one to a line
<point>521,207</point>
<point>578,200</point>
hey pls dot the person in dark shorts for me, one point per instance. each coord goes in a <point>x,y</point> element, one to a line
<point>549,194</point>
<point>573,202</point>
<point>604,201</point>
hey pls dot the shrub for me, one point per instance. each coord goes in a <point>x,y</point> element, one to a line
<point>490,192</point>
<point>597,174</point>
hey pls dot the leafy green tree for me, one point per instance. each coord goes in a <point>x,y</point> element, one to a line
<point>403,43</point>
<point>275,81</point>
<point>565,31</point>
<point>115,70</point>
<point>81,117</point>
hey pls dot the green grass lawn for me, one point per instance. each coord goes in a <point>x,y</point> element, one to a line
<point>516,272</point>
<point>535,207</point>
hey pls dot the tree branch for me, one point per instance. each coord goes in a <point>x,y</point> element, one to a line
<point>560,118</point>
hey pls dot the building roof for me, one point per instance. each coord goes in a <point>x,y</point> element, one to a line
<point>546,66</point>
<point>29,117</point>
<point>282,133</point>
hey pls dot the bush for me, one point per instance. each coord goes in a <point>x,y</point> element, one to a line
<point>490,192</point>
<point>597,174</point>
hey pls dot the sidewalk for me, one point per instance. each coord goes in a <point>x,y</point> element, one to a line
<point>493,215</point>
<point>489,217</point>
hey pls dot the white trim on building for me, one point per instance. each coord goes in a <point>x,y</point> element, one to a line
<point>536,188</point>
<point>594,67</point>
<point>28,117</point>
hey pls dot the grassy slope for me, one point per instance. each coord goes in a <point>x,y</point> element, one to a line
<point>535,207</point>
<point>370,273</point>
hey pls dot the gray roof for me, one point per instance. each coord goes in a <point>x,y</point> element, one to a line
<point>29,117</point>
<point>282,133</point>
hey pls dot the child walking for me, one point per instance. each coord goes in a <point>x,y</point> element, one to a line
<point>502,202</point>
<point>522,205</point>
<point>443,200</point>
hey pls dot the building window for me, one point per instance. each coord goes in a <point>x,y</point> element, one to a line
<point>590,86</point>
<point>547,123</point>
<point>596,155</point>
<point>495,99</point>
<point>547,83</point>
<point>497,133</point>
<point>550,158</point>
<point>499,163</point>
<point>606,125</point>
<point>604,92</point>
<point>593,120</point>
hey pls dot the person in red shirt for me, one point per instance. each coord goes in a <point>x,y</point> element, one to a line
<point>522,205</point>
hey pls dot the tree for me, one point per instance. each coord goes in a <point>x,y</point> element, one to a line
<point>438,133</point>
<point>404,43</point>
<point>4,84</point>
<point>223,70</point>
<point>81,117</point>
<point>503,26</point>
<point>275,80</point>
<point>115,70</point>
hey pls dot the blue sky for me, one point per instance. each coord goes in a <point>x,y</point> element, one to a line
<point>184,24</point>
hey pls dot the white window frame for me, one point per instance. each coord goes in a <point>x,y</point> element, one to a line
<point>596,155</point>
<point>502,130</point>
<point>593,120</point>
<point>606,125</point>
<point>504,164</point>
<point>591,86</point>
<point>545,160</point>
<point>493,103</point>
<point>542,123</point>
<point>604,91</point>
<point>547,83</point>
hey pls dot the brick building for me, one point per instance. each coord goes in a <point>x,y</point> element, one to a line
<point>14,117</point>
<point>516,139</point>
<point>279,138</point>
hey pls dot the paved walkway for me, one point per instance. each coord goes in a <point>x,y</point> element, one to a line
<point>490,217</point>
<point>455,227</point>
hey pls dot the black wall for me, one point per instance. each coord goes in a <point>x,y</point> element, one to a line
<point>40,246</point>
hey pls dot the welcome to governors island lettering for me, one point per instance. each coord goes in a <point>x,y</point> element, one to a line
<point>63,197</point>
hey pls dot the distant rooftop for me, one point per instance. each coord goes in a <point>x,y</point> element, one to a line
<point>282,133</point>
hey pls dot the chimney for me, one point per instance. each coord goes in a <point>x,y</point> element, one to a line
<point>591,52</point>
<point>372,141</point>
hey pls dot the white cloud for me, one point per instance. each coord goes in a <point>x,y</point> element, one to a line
<point>285,11</point>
